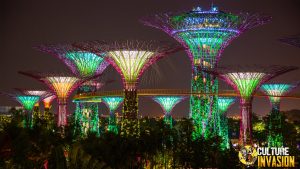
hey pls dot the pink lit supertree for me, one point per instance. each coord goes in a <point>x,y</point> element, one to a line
<point>130,59</point>
<point>62,85</point>
<point>246,80</point>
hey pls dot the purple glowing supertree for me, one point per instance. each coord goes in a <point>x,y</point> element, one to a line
<point>62,86</point>
<point>293,40</point>
<point>246,80</point>
<point>130,59</point>
<point>204,34</point>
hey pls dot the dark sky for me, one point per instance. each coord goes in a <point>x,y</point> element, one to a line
<point>31,22</point>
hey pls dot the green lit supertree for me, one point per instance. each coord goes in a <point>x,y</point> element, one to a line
<point>28,102</point>
<point>275,91</point>
<point>36,110</point>
<point>85,65</point>
<point>223,104</point>
<point>112,103</point>
<point>167,103</point>
<point>246,80</point>
<point>130,59</point>
<point>204,34</point>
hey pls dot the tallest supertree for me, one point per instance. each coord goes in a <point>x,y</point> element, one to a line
<point>204,34</point>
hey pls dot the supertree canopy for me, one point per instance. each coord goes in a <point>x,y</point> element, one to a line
<point>293,40</point>
<point>223,104</point>
<point>275,91</point>
<point>205,34</point>
<point>167,103</point>
<point>62,86</point>
<point>83,64</point>
<point>246,80</point>
<point>48,100</point>
<point>130,59</point>
<point>112,103</point>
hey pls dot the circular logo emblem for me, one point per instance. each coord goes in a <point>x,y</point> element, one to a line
<point>248,155</point>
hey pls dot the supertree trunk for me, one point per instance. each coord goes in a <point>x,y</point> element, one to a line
<point>130,122</point>
<point>28,119</point>
<point>246,122</point>
<point>112,126</point>
<point>204,105</point>
<point>275,138</point>
<point>62,114</point>
<point>168,120</point>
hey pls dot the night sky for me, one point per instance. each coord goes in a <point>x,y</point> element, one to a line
<point>31,22</point>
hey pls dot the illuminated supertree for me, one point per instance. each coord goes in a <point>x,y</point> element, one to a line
<point>112,103</point>
<point>246,80</point>
<point>275,91</point>
<point>294,40</point>
<point>48,116</point>
<point>85,65</point>
<point>62,86</point>
<point>167,103</point>
<point>130,59</point>
<point>28,102</point>
<point>42,93</point>
<point>47,102</point>
<point>223,104</point>
<point>204,34</point>
<point>86,115</point>
<point>82,64</point>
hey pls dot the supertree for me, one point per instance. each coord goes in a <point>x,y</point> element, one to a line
<point>62,85</point>
<point>86,116</point>
<point>245,80</point>
<point>130,59</point>
<point>42,93</point>
<point>275,91</point>
<point>204,34</point>
<point>293,40</point>
<point>48,101</point>
<point>223,104</point>
<point>48,116</point>
<point>85,65</point>
<point>112,103</point>
<point>28,102</point>
<point>167,103</point>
